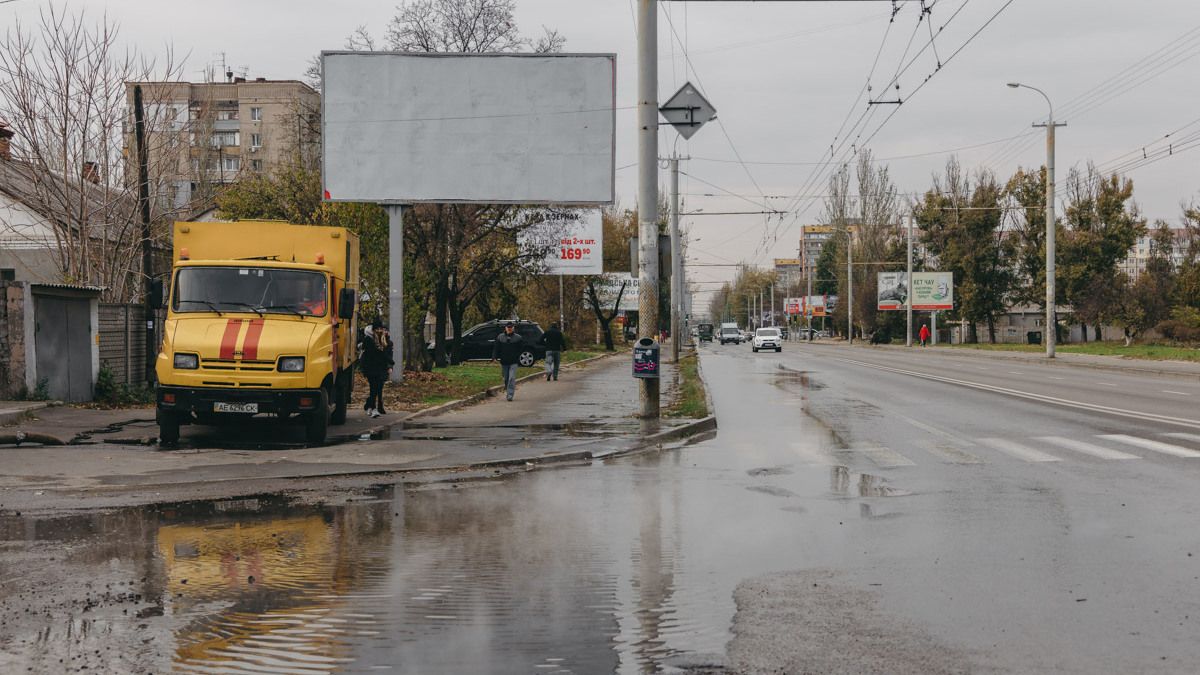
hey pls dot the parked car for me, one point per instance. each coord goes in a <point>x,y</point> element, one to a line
<point>767,338</point>
<point>705,332</point>
<point>477,341</point>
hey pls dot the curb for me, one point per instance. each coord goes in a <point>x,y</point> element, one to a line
<point>15,415</point>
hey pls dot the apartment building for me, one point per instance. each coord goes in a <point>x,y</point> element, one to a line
<point>1135,261</point>
<point>204,135</point>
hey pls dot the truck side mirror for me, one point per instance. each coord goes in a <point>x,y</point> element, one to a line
<point>346,304</point>
<point>156,293</point>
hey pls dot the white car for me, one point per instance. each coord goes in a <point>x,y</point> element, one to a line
<point>767,338</point>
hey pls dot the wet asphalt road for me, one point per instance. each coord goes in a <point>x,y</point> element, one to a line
<point>847,518</point>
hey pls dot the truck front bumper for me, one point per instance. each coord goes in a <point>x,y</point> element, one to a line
<point>203,401</point>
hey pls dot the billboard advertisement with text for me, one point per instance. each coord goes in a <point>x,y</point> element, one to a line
<point>933,290</point>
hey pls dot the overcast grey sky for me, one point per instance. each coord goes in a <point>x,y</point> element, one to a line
<point>783,76</point>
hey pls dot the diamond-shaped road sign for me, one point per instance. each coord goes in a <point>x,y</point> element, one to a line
<point>687,110</point>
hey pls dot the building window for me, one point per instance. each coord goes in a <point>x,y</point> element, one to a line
<point>223,139</point>
<point>232,163</point>
<point>256,114</point>
<point>227,115</point>
<point>256,164</point>
<point>256,140</point>
<point>8,275</point>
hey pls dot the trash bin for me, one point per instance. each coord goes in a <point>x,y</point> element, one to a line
<point>645,358</point>
<point>1034,337</point>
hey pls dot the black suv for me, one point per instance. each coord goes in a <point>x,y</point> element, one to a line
<point>477,341</point>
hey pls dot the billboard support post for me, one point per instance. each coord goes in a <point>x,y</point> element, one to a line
<point>396,285</point>
<point>647,194</point>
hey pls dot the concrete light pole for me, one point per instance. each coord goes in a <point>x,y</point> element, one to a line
<point>909,294</point>
<point>1051,324</point>
<point>647,194</point>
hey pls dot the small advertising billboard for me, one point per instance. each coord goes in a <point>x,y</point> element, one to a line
<point>892,290</point>
<point>793,306</point>
<point>573,242</point>
<point>933,291</point>
<point>815,305</point>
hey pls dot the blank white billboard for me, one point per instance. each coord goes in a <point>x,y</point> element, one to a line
<point>404,128</point>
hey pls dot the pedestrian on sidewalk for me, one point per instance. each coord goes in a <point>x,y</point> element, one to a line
<point>507,349</point>
<point>555,344</point>
<point>377,363</point>
<point>924,334</point>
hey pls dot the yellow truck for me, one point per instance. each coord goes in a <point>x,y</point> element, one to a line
<point>260,321</point>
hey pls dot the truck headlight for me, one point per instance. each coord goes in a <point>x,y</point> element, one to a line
<point>187,361</point>
<point>291,364</point>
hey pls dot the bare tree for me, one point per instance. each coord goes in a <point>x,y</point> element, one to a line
<point>62,90</point>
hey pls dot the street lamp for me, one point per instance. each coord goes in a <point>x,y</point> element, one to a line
<point>1050,309</point>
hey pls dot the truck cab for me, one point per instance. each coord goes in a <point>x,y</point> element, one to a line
<point>260,321</point>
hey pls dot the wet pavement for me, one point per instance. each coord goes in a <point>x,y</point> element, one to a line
<point>818,532</point>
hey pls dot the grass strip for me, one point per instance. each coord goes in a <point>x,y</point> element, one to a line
<point>1149,352</point>
<point>689,400</point>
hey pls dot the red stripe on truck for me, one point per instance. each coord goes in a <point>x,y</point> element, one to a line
<point>253,334</point>
<point>229,339</point>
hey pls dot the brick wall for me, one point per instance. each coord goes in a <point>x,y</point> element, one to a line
<point>12,339</point>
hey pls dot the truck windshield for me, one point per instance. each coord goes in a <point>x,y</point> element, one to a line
<point>261,290</point>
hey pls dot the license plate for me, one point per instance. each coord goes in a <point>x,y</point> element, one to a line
<point>235,407</point>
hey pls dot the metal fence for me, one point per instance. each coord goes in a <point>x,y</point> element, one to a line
<point>123,342</point>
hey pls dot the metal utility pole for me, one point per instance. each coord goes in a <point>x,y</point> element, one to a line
<point>772,304</point>
<point>909,294</point>
<point>676,262</point>
<point>143,198</point>
<point>849,287</point>
<point>396,286</point>
<point>808,310</point>
<point>647,194</point>
<point>1051,313</point>
<point>562,321</point>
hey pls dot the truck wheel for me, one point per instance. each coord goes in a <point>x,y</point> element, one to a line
<point>316,423</point>
<point>168,428</point>
<point>341,398</point>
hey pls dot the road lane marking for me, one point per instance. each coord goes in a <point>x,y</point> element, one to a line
<point>1087,448</point>
<point>1156,446</point>
<point>1179,393</point>
<point>1015,372</point>
<point>1056,378</point>
<point>1106,384</point>
<point>1019,451</point>
<point>1091,407</point>
<point>1195,438</point>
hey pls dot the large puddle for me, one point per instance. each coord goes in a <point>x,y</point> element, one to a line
<point>628,566</point>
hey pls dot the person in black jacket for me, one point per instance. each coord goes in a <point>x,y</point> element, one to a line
<point>377,365</point>
<point>555,343</point>
<point>507,349</point>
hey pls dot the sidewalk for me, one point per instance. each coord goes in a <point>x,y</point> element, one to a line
<point>1061,359</point>
<point>587,414</point>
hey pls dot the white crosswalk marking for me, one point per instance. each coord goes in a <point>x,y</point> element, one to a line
<point>1019,451</point>
<point>1156,446</point>
<point>1195,438</point>
<point>951,454</point>
<point>1087,448</point>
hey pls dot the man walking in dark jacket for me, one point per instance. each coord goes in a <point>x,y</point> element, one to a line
<point>555,344</point>
<point>507,349</point>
